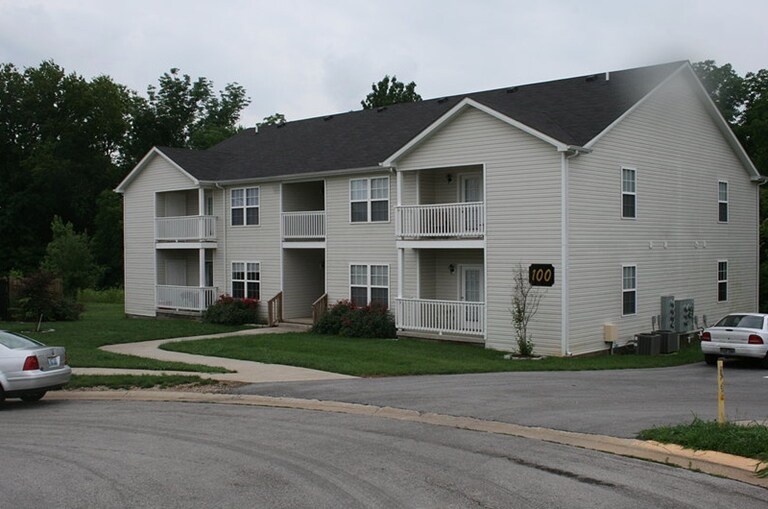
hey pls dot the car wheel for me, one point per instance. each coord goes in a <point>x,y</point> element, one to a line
<point>710,359</point>
<point>763,363</point>
<point>2,394</point>
<point>32,396</point>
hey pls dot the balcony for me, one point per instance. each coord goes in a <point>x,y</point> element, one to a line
<point>309,225</point>
<point>441,316</point>
<point>185,298</point>
<point>446,220</point>
<point>185,229</point>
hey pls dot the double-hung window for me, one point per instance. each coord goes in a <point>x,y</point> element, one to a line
<point>629,290</point>
<point>246,278</point>
<point>722,280</point>
<point>722,201</point>
<point>628,193</point>
<point>369,284</point>
<point>369,200</point>
<point>245,206</point>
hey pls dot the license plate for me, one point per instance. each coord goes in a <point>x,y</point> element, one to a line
<point>54,362</point>
<point>727,350</point>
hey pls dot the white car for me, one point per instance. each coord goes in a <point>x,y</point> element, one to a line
<point>29,369</point>
<point>742,335</point>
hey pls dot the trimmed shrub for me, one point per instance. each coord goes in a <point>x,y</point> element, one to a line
<point>346,319</point>
<point>231,311</point>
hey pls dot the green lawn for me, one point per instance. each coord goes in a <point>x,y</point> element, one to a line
<point>747,441</point>
<point>105,324</point>
<point>381,357</point>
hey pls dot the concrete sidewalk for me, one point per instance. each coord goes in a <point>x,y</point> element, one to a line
<point>243,371</point>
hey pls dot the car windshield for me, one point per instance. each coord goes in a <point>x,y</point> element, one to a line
<point>745,321</point>
<point>14,341</point>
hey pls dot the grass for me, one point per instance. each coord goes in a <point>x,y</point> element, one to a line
<point>134,381</point>
<point>382,357</point>
<point>105,324</point>
<point>748,441</point>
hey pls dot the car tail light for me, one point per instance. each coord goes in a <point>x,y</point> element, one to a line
<point>706,336</point>
<point>754,339</point>
<point>31,363</point>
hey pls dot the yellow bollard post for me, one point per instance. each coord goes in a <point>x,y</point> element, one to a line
<point>720,393</point>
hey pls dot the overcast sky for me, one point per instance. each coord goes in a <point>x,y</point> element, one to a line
<point>310,58</point>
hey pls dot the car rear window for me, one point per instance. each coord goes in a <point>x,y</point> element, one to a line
<point>746,321</point>
<point>14,341</point>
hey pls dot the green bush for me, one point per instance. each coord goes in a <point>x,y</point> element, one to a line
<point>231,311</point>
<point>106,296</point>
<point>38,296</point>
<point>346,319</point>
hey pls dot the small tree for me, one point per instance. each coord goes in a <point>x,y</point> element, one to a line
<point>69,256</point>
<point>390,91</point>
<point>525,304</point>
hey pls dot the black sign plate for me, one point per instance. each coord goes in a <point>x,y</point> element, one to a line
<point>540,274</point>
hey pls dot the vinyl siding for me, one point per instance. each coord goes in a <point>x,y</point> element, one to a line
<point>356,243</point>
<point>256,243</point>
<point>139,232</point>
<point>679,155</point>
<point>522,195</point>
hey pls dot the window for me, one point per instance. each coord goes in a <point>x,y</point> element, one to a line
<point>722,281</point>
<point>628,193</point>
<point>369,200</point>
<point>722,201</point>
<point>629,290</point>
<point>245,206</point>
<point>246,277</point>
<point>369,284</point>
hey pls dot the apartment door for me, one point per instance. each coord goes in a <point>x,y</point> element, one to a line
<point>472,290</point>
<point>472,191</point>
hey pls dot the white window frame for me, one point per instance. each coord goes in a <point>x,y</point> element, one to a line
<point>244,207</point>
<point>721,280</point>
<point>721,201</point>
<point>628,193</point>
<point>625,290</point>
<point>368,284</point>
<point>369,199</point>
<point>246,281</point>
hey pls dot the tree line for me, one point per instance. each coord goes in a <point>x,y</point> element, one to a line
<point>66,142</point>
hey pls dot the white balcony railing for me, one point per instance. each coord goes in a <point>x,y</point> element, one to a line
<point>441,316</point>
<point>186,298</point>
<point>304,225</point>
<point>185,228</point>
<point>441,220</point>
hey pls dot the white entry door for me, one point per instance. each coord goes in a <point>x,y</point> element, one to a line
<point>472,191</point>
<point>472,290</point>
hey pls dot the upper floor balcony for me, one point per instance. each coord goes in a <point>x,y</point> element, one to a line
<point>307,225</point>
<point>185,229</point>
<point>442,220</point>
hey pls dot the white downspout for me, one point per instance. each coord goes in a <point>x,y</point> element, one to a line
<point>223,229</point>
<point>201,251</point>
<point>564,256</point>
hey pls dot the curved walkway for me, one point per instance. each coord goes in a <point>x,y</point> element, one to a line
<point>242,371</point>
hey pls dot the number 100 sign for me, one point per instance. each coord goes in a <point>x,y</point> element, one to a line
<point>540,274</point>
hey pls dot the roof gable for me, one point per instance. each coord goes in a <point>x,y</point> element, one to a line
<point>147,159</point>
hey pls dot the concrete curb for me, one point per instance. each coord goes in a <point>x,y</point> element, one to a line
<point>715,463</point>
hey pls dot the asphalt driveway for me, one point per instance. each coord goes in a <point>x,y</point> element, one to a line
<point>618,403</point>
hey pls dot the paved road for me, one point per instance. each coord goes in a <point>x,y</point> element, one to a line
<point>618,403</point>
<point>67,454</point>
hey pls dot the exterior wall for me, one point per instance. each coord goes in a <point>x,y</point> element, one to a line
<point>304,196</point>
<point>356,243</point>
<point>253,243</point>
<point>679,155</point>
<point>522,196</point>
<point>436,279</point>
<point>139,232</point>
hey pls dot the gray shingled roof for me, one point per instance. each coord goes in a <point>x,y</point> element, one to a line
<point>572,111</point>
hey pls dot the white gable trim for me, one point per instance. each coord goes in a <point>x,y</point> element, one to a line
<point>461,106</point>
<point>143,164</point>
<point>711,107</point>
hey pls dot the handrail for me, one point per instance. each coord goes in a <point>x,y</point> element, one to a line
<point>462,219</point>
<point>275,310</point>
<point>319,308</point>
